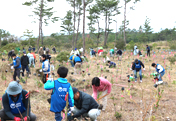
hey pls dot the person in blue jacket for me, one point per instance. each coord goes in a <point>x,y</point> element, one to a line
<point>160,70</point>
<point>111,64</point>
<point>60,89</point>
<point>136,67</point>
<point>16,65</point>
<point>72,59</point>
<point>148,50</point>
<point>77,63</point>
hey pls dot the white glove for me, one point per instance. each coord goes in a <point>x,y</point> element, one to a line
<point>130,69</point>
<point>71,108</point>
<point>144,69</point>
<point>40,70</point>
<point>11,67</point>
<point>8,64</point>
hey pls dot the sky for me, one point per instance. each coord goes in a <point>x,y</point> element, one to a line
<point>15,16</point>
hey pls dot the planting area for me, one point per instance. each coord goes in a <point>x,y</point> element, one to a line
<point>138,101</point>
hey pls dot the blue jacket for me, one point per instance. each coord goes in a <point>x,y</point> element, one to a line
<point>57,85</point>
<point>77,59</point>
<point>71,57</point>
<point>46,67</point>
<point>148,48</point>
<point>15,63</point>
<point>112,64</point>
<point>138,65</point>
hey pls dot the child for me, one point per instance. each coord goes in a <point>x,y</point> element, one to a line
<point>60,88</point>
<point>111,64</point>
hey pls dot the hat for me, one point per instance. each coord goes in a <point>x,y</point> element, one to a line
<point>75,90</point>
<point>14,88</point>
<point>24,52</point>
<point>75,48</point>
<point>136,60</point>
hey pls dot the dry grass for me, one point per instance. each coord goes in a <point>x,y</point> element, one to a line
<point>130,108</point>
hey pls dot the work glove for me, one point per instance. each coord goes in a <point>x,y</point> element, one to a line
<point>25,118</point>
<point>40,70</point>
<point>11,67</point>
<point>71,108</point>
<point>17,119</point>
<point>144,69</point>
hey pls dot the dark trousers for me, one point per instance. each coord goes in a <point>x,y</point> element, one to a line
<point>44,78</point>
<point>148,53</point>
<point>16,73</point>
<point>4,117</point>
<point>9,56</point>
<point>25,67</point>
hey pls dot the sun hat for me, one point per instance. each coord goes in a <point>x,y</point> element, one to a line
<point>75,90</point>
<point>14,88</point>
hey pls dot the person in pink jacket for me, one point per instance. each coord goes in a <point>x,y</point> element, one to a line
<point>100,84</point>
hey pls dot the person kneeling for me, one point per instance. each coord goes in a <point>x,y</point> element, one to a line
<point>15,104</point>
<point>85,106</point>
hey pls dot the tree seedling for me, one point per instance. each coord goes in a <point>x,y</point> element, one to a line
<point>72,73</point>
<point>105,77</point>
<point>88,74</point>
<point>83,80</point>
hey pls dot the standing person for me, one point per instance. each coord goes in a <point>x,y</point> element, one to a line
<point>60,89</point>
<point>92,52</point>
<point>77,63</point>
<point>135,50</point>
<point>17,66</point>
<point>48,56</point>
<point>111,64</point>
<point>10,54</point>
<point>33,49</point>
<point>24,63</point>
<point>148,50</point>
<point>44,50</point>
<point>161,71</point>
<point>85,106</point>
<point>24,49</point>
<point>40,52</point>
<point>33,53</point>
<point>15,100</point>
<point>72,59</point>
<point>136,67</point>
<point>54,50</point>
<point>76,51</point>
<point>100,84</point>
<point>119,53</point>
<point>31,59</point>
<point>45,68</point>
<point>29,49</point>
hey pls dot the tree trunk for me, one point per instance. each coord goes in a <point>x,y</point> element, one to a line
<point>73,41</point>
<point>124,23</point>
<point>78,25</point>
<point>98,36</point>
<point>84,27</point>
<point>39,36</point>
<point>41,11</point>
<point>105,29</point>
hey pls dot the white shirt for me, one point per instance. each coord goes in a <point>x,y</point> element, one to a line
<point>160,68</point>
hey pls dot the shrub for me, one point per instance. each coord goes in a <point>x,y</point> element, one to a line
<point>63,56</point>
<point>10,46</point>
<point>4,42</point>
<point>118,115</point>
<point>120,44</point>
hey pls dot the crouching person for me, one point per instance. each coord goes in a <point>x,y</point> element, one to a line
<point>85,106</point>
<point>15,103</point>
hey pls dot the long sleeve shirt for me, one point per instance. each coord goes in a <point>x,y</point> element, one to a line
<point>160,68</point>
<point>17,63</point>
<point>104,85</point>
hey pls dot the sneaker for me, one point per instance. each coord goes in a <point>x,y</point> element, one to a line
<point>159,82</point>
<point>141,81</point>
<point>100,107</point>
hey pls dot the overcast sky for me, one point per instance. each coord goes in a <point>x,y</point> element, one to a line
<point>14,16</point>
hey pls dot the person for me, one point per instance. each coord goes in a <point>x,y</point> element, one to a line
<point>10,54</point>
<point>140,54</point>
<point>135,50</point>
<point>148,50</point>
<point>111,64</point>
<point>92,52</point>
<point>29,49</point>
<point>160,70</point>
<point>85,106</point>
<point>111,52</point>
<point>16,65</point>
<point>72,59</point>
<point>33,53</point>
<point>119,53</point>
<point>44,50</point>
<point>100,51</point>
<point>33,49</point>
<point>24,49</point>
<point>77,63</point>
<point>15,100</point>
<point>100,84</point>
<point>60,89</point>
<point>136,67</point>
<point>48,56</point>
<point>54,50</point>
<point>45,68</point>
<point>31,59</point>
<point>47,50</point>
<point>76,52</point>
<point>40,53</point>
<point>24,63</point>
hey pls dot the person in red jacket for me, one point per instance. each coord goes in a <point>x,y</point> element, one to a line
<point>34,56</point>
<point>100,84</point>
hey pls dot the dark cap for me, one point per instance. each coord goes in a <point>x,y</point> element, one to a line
<point>75,90</point>
<point>24,52</point>
<point>136,60</point>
